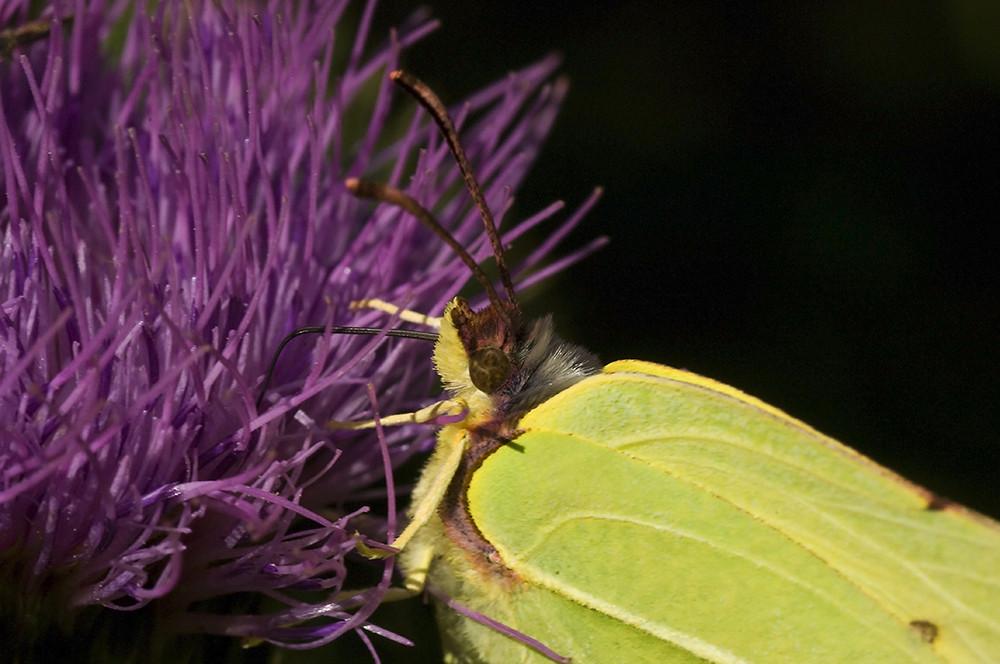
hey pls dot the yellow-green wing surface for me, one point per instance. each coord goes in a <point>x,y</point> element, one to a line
<point>653,515</point>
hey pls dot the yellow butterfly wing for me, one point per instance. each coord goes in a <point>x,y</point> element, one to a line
<point>649,514</point>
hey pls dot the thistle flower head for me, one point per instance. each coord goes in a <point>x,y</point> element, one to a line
<point>173,207</point>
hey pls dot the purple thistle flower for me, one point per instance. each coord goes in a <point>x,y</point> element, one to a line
<point>173,207</point>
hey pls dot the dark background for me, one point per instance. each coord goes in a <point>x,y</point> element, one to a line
<point>801,199</point>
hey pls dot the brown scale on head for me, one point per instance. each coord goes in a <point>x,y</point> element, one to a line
<point>489,338</point>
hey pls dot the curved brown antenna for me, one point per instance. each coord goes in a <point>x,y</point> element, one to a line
<point>439,114</point>
<point>389,194</point>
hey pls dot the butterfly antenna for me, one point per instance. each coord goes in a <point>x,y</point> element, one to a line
<point>389,194</point>
<point>334,329</point>
<point>430,101</point>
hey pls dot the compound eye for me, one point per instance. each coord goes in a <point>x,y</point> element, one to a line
<point>489,368</point>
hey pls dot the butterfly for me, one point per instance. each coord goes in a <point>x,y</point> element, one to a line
<point>634,512</point>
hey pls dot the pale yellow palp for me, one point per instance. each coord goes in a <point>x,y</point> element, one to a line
<point>427,414</point>
<point>403,314</point>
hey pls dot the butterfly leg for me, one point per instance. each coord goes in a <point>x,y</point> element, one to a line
<point>441,467</point>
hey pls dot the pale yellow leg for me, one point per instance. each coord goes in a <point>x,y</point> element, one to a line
<point>437,409</point>
<point>441,466</point>
<point>429,499</point>
<point>404,314</point>
<point>416,571</point>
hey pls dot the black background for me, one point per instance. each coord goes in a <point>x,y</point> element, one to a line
<point>801,199</point>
